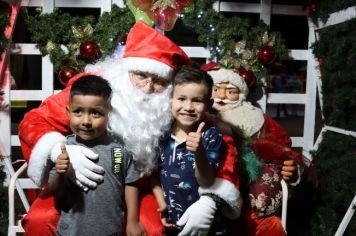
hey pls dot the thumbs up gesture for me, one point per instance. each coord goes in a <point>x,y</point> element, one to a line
<point>194,139</point>
<point>62,162</point>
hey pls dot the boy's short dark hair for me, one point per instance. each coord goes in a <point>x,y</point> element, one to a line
<point>192,74</point>
<point>91,85</point>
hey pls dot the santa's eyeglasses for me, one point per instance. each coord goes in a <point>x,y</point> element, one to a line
<point>148,82</point>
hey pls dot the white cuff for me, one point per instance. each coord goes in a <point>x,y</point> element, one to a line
<point>299,173</point>
<point>39,158</point>
<point>229,193</point>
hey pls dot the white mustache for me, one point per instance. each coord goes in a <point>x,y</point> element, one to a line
<point>226,101</point>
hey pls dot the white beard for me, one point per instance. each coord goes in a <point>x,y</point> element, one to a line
<point>246,117</point>
<point>139,119</point>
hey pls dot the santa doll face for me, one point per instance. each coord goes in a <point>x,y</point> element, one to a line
<point>147,82</point>
<point>226,96</point>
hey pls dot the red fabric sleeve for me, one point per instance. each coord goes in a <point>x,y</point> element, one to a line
<point>276,146</point>
<point>228,163</point>
<point>276,132</point>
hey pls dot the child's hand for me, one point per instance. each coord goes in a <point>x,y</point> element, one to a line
<point>163,211</point>
<point>134,228</point>
<point>194,139</point>
<point>62,162</point>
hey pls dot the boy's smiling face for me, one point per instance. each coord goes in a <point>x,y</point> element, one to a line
<point>88,116</point>
<point>189,103</point>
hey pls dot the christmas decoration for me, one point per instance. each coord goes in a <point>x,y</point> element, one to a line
<point>319,10</point>
<point>335,161</point>
<point>141,9</point>
<point>233,41</point>
<point>267,55</point>
<point>66,73</point>
<point>89,50</point>
<point>165,19</point>
<point>5,12</point>
<point>60,35</point>
<point>248,77</point>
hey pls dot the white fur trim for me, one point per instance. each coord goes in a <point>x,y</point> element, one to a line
<point>149,65</point>
<point>228,76</point>
<point>39,158</point>
<point>229,193</point>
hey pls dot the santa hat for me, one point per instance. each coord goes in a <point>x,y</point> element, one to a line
<point>223,75</point>
<point>150,51</point>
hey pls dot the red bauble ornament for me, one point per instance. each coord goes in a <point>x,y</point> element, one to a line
<point>248,77</point>
<point>166,19</point>
<point>89,50</point>
<point>267,55</point>
<point>181,4</point>
<point>66,73</point>
<point>311,8</point>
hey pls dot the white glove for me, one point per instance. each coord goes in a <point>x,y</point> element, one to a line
<point>198,217</point>
<point>85,173</point>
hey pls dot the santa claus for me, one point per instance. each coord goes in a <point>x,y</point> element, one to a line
<point>263,146</point>
<point>141,83</point>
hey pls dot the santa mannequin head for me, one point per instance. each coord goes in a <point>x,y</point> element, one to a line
<point>229,93</point>
<point>141,83</point>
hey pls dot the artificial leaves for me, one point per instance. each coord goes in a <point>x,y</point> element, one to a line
<point>60,35</point>
<point>5,12</point>
<point>335,163</point>
<point>3,203</point>
<point>233,41</point>
<point>321,9</point>
<point>336,46</point>
<point>335,159</point>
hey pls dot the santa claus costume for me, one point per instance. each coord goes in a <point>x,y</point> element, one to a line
<point>270,143</point>
<point>139,117</point>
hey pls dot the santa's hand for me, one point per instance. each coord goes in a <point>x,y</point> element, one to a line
<point>83,171</point>
<point>197,219</point>
<point>289,170</point>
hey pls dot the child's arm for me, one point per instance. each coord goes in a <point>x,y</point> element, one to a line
<point>162,206</point>
<point>62,164</point>
<point>203,170</point>
<point>133,226</point>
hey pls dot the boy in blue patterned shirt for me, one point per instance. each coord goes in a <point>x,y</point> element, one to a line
<point>190,154</point>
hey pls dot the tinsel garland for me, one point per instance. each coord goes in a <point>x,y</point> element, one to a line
<point>232,40</point>
<point>5,12</point>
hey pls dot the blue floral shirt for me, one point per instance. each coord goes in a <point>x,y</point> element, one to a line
<point>178,170</point>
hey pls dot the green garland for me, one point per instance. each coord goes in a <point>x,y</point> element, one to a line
<point>335,159</point>
<point>335,164</point>
<point>323,8</point>
<point>60,34</point>
<point>336,46</point>
<point>5,11</point>
<point>234,41</point>
<point>3,204</point>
